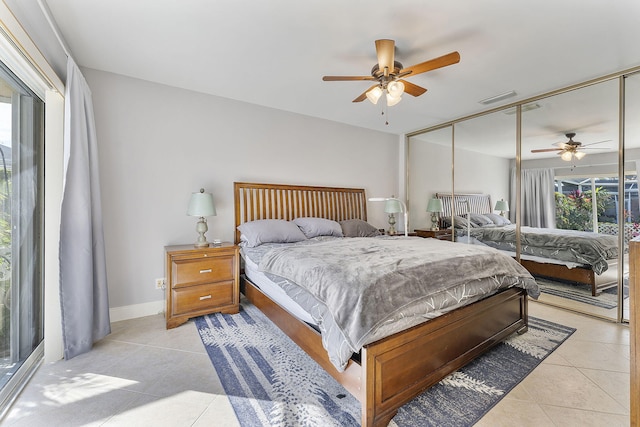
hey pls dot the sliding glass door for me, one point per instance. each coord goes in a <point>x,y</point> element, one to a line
<point>21,231</point>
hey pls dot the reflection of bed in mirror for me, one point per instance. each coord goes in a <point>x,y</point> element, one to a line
<point>565,255</point>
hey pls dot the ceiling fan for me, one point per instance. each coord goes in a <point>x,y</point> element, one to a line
<point>570,149</point>
<point>389,73</point>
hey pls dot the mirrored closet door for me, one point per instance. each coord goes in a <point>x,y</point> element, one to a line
<point>552,165</point>
<point>569,185</point>
<point>632,169</point>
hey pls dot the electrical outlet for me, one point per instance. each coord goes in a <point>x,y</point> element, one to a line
<point>160,283</point>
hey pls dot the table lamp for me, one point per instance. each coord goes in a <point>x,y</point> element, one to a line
<point>397,205</point>
<point>201,205</point>
<point>502,206</point>
<point>392,207</point>
<point>435,207</point>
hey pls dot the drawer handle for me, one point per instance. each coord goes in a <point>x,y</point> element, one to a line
<point>205,297</point>
<point>208,270</point>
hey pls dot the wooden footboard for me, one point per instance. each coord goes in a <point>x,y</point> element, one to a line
<point>583,275</point>
<point>396,369</point>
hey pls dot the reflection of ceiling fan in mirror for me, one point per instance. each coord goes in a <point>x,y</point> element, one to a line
<point>389,74</point>
<point>570,149</point>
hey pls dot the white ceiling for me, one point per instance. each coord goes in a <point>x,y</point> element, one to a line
<point>274,53</point>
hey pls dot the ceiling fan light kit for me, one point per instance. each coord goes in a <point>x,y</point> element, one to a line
<point>388,73</point>
<point>374,94</point>
<point>566,156</point>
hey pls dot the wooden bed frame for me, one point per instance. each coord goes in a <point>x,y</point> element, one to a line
<point>395,369</point>
<point>481,203</point>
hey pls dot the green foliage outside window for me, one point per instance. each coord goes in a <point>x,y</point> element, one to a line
<point>574,210</point>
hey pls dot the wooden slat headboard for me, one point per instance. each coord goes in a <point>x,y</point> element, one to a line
<point>254,201</point>
<point>478,203</point>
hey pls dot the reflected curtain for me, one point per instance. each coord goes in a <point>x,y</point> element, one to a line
<point>537,196</point>
<point>83,275</point>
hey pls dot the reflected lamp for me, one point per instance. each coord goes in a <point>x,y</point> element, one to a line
<point>435,207</point>
<point>502,206</point>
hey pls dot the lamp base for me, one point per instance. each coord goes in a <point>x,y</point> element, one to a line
<point>201,228</point>
<point>392,224</point>
<point>434,222</point>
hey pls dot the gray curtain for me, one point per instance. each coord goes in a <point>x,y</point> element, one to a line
<point>83,277</point>
<point>538,197</point>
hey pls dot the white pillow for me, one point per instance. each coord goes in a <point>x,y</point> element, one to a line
<point>313,227</point>
<point>255,233</point>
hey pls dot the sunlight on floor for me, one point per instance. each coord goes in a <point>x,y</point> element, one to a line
<point>83,386</point>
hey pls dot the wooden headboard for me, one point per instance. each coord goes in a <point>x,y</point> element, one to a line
<point>254,201</point>
<point>478,203</point>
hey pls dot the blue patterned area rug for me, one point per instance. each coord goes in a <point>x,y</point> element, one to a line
<point>270,381</point>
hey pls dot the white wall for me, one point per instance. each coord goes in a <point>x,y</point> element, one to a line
<point>430,173</point>
<point>481,173</point>
<point>158,144</point>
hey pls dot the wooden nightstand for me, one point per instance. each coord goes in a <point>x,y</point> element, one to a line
<point>201,281</point>
<point>437,234</point>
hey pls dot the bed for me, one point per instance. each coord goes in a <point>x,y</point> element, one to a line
<point>390,371</point>
<point>565,255</point>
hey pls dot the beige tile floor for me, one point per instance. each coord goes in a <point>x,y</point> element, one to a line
<point>144,375</point>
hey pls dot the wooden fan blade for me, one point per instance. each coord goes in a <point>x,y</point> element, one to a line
<point>432,64</point>
<point>412,89</point>
<point>385,49</point>
<point>346,78</point>
<point>544,150</point>
<point>363,95</point>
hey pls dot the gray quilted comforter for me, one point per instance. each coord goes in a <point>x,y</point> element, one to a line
<point>362,289</point>
<point>581,247</point>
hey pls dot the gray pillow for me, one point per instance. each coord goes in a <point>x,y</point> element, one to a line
<point>313,227</point>
<point>461,222</point>
<point>358,228</point>
<point>498,220</point>
<point>481,220</point>
<point>255,233</point>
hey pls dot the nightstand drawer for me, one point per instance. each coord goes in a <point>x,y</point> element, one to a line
<point>202,297</point>
<point>190,272</point>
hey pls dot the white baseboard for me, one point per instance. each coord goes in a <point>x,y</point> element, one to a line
<point>137,310</point>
